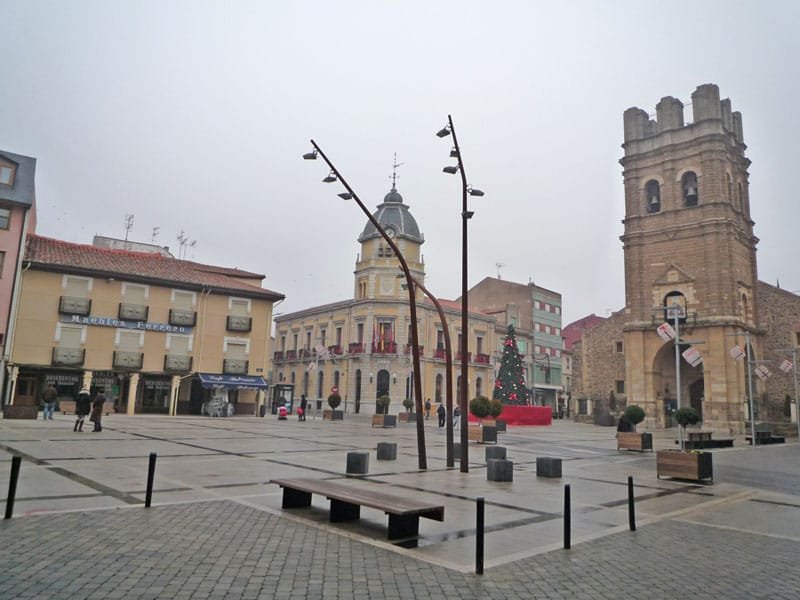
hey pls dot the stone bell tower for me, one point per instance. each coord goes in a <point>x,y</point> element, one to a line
<point>689,242</point>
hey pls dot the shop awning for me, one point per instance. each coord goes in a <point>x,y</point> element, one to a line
<point>254,382</point>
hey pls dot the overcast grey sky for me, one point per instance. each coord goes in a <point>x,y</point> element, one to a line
<point>194,115</point>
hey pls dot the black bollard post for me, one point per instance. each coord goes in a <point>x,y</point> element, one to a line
<point>16,461</point>
<point>631,510</point>
<point>479,538</point>
<point>567,519</point>
<point>151,472</point>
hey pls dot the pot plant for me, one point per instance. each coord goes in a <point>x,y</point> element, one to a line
<point>684,464</point>
<point>382,404</point>
<point>481,407</point>
<point>627,438</point>
<point>495,410</point>
<point>334,400</point>
<point>408,416</point>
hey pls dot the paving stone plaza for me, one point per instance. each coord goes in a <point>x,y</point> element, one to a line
<point>216,528</point>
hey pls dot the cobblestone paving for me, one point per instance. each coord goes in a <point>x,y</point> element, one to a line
<point>227,550</point>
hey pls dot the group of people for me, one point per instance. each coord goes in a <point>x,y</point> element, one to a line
<point>85,406</point>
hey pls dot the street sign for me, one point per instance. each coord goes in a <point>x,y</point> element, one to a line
<point>666,332</point>
<point>762,372</point>
<point>676,311</point>
<point>737,353</point>
<point>692,356</point>
<point>786,366</point>
<point>334,390</point>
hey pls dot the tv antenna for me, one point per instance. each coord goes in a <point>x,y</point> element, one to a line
<point>128,225</point>
<point>184,243</point>
<point>498,265</point>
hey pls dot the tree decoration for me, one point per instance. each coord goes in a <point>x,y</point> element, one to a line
<point>509,387</point>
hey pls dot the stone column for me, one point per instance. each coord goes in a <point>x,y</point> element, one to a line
<point>174,391</point>
<point>133,387</point>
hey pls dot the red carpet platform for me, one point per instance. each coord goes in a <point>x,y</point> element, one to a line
<point>523,415</point>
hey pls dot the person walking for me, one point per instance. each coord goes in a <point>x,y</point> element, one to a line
<point>83,405</point>
<point>456,416</point>
<point>441,413</point>
<point>428,408</point>
<point>97,409</point>
<point>303,406</point>
<point>49,397</point>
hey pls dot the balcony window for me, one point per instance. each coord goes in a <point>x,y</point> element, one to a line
<point>133,312</point>
<point>68,356</point>
<point>182,316</point>
<point>234,366</point>
<point>70,305</point>
<point>237,323</point>
<point>128,360</point>
<point>277,356</point>
<point>177,362</point>
<point>355,348</point>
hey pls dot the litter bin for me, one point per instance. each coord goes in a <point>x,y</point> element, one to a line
<point>262,410</point>
<point>319,405</point>
<point>282,412</point>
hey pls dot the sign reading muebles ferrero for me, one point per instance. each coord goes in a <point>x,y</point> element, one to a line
<point>123,324</point>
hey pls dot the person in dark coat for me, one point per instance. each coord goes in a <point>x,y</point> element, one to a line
<point>97,409</point>
<point>303,406</point>
<point>83,405</point>
<point>441,413</point>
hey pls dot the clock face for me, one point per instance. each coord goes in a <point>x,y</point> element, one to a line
<point>390,232</point>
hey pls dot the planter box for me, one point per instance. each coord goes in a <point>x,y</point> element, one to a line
<point>332,415</point>
<point>17,411</point>
<point>384,421</point>
<point>501,426</point>
<point>407,417</point>
<point>634,441</point>
<point>694,466</point>
<point>482,435</point>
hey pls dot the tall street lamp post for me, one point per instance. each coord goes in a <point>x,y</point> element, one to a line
<point>448,361</point>
<point>466,190</point>
<point>351,195</point>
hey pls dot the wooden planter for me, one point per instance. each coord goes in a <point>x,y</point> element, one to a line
<point>695,466</point>
<point>634,441</point>
<point>332,415</point>
<point>407,417</point>
<point>482,435</point>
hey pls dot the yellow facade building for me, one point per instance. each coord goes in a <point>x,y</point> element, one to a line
<point>361,346</point>
<point>160,335</point>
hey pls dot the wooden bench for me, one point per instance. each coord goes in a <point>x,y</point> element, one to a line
<point>630,440</point>
<point>766,437</point>
<point>346,503</point>
<point>701,440</point>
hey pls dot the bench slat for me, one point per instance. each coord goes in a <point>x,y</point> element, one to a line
<point>388,503</point>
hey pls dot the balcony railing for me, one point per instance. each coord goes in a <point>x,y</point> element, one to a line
<point>133,312</point>
<point>355,348</point>
<point>236,323</point>
<point>128,360</point>
<point>407,349</point>
<point>384,348</point>
<point>177,362</point>
<point>234,366</point>
<point>291,355</point>
<point>277,356</point>
<point>469,356</point>
<point>68,356</point>
<point>336,349</point>
<point>482,359</point>
<point>70,305</point>
<point>439,353</point>
<point>182,316</point>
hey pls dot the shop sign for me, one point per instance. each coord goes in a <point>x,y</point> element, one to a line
<point>62,379</point>
<point>126,324</point>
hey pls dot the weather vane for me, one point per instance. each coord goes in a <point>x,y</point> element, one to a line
<point>395,164</point>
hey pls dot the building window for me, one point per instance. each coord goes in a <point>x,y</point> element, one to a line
<point>620,386</point>
<point>6,175</point>
<point>438,389</point>
<point>731,199</point>
<point>439,339</point>
<point>618,347</point>
<point>295,341</point>
<point>479,345</point>
<point>797,338</point>
<point>557,310</point>
<point>5,218</point>
<point>320,384</point>
<point>308,340</point>
<point>339,336</point>
<point>2,263</point>
<point>689,188</point>
<point>652,193</point>
<point>740,198</point>
<point>675,306</point>
<point>323,333</point>
<point>478,386</point>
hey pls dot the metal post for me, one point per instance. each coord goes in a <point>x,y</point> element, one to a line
<point>151,472</point>
<point>462,398</point>
<point>567,519</point>
<point>16,461</point>
<point>675,314</point>
<point>631,509</point>
<point>750,390</point>
<point>479,526</point>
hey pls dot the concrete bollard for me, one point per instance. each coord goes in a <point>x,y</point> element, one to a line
<point>387,451</point>
<point>357,463</point>
<point>547,466</point>
<point>495,452</point>
<point>499,469</point>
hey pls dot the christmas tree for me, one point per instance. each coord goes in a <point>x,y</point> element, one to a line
<point>510,385</point>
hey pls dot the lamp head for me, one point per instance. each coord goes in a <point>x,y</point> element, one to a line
<point>451,170</point>
<point>475,192</point>
<point>310,155</point>
<point>443,132</point>
<point>330,178</point>
<point>345,196</point>
<point>453,153</point>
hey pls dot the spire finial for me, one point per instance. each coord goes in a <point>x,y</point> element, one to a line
<point>395,164</point>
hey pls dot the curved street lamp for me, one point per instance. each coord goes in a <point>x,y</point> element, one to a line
<point>335,175</point>
<point>466,190</point>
